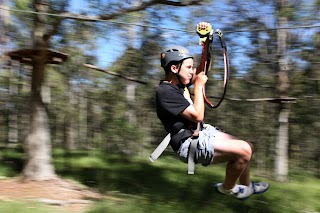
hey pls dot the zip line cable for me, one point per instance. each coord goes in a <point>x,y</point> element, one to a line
<point>86,18</point>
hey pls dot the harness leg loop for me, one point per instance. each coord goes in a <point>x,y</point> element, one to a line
<point>191,156</point>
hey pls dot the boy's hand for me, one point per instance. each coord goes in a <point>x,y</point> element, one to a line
<point>201,79</point>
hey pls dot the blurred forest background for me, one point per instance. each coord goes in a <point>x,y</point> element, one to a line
<point>82,75</point>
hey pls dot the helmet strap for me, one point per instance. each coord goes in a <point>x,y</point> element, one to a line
<point>178,75</point>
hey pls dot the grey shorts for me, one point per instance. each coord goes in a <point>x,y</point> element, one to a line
<point>205,147</point>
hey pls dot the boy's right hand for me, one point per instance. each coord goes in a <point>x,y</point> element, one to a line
<point>201,79</point>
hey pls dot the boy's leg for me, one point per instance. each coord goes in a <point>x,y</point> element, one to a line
<point>238,154</point>
<point>244,178</point>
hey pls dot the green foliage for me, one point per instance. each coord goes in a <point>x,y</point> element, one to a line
<point>12,161</point>
<point>133,184</point>
<point>23,4</point>
<point>25,207</point>
<point>136,185</point>
<point>287,12</point>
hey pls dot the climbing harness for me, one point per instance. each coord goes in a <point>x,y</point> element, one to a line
<point>165,142</point>
<point>161,147</point>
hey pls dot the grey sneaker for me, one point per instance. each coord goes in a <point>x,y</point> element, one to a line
<point>259,188</point>
<point>241,192</point>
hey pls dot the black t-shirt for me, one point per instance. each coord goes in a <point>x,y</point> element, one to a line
<point>170,102</point>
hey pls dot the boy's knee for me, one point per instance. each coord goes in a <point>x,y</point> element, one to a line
<point>251,145</point>
<point>247,150</point>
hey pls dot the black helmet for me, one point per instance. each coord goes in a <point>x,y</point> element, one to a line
<point>175,53</point>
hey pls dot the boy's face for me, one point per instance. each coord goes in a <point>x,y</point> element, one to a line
<point>186,71</point>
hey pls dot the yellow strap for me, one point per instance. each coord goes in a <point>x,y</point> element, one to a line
<point>187,96</point>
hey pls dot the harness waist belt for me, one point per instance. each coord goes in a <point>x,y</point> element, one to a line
<point>165,142</point>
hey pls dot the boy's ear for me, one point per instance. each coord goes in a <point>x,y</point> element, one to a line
<point>174,68</point>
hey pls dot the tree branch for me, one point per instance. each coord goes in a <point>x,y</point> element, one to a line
<point>114,74</point>
<point>140,7</point>
<point>272,100</point>
<point>257,84</point>
<point>57,24</point>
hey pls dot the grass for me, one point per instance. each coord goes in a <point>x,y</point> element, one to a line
<point>164,186</point>
<point>25,207</point>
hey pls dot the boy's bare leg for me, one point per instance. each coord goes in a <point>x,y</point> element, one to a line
<point>244,178</point>
<point>238,154</point>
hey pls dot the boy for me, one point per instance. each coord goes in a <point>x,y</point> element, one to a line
<point>183,119</point>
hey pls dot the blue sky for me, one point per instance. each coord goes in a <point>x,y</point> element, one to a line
<point>78,5</point>
<point>111,47</point>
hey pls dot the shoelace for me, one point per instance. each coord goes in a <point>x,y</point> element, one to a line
<point>241,190</point>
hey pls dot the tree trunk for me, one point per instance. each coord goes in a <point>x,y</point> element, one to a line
<point>38,145</point>
<point>4,23</point>
<point>83,116</point>
<point>39,165</point>
<point>13,112</point>
<point>70,127</point>
<point>131,113</point>
<point>281,160</point>
<point>131,86</point>
<point>261,147</point>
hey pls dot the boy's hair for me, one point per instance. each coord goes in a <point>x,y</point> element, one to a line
<point>168,67</point>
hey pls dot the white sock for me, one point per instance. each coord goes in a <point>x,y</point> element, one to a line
<point>250,186</point>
